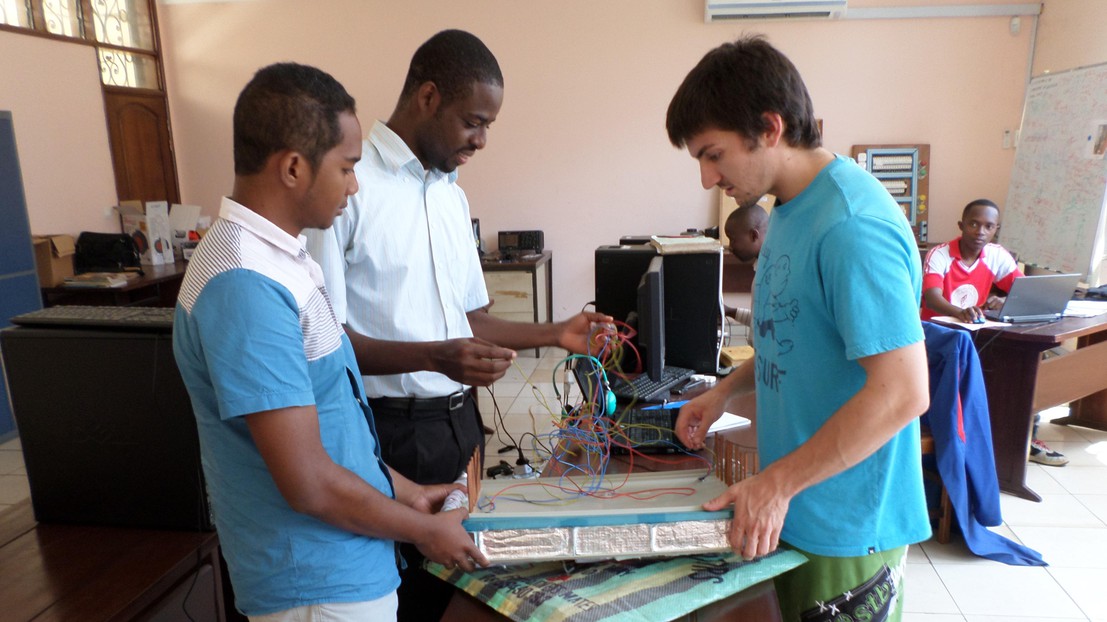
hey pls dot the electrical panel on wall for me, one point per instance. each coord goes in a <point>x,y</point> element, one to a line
<point>904,172</point>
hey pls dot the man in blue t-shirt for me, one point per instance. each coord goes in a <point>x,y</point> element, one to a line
<point>307,512</point>
<point>840,374</point>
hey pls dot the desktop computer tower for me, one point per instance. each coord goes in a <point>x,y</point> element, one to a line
<point>693,295</point>
<point>106,426</point>
<point>618,270</point>
<point>693,310</point>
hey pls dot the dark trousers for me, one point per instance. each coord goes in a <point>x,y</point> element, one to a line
<point>427,447</point>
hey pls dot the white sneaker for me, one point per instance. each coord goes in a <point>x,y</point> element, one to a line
<point>1042,454</point>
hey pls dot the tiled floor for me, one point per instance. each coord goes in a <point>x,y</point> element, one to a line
<point>945,583</point>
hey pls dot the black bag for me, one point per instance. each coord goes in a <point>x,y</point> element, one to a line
<point>105,252</point>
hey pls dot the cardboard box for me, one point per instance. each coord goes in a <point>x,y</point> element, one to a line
<point>149,226</point>
<point>54,258</point>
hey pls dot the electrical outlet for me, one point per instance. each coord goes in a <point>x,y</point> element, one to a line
<point>1006,139</point>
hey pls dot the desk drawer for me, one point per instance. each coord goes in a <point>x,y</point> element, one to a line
<point>513,292</point>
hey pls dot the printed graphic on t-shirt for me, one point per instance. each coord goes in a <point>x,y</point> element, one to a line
<point>965,296</point>
<point>775,317</point>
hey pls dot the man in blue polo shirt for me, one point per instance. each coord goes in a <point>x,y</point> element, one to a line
<point>307,512</point>
<point>841,372</point>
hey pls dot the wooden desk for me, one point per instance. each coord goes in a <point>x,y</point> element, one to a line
<point>93,574</point>
<point>1020,381</point>
<point>158,287</point>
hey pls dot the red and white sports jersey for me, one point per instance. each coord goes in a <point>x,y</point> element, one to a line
<point>967,286</point>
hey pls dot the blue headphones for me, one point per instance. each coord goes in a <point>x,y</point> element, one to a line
<point>610,404</point>
<point>609,398</point>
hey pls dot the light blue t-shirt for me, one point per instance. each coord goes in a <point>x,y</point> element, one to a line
<point>838,279</point>
<point>254,332</point>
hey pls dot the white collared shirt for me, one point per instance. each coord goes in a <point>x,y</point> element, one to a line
<point>400,262</point>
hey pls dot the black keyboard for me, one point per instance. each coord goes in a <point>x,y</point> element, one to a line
<point>645,389</point>
<point>113,317</point>
<point>648,431</point>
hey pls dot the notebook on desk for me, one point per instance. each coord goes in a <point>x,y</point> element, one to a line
<point>1037,298</point>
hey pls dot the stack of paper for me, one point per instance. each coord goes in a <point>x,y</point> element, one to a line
<point>668,245</point>
<point>99,279</point>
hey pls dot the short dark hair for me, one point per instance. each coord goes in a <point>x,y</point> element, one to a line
<point>974,203</point>
<point>453,60</point>
<point>733,85</point>
<point>749,216</point>
<point>287,106</point>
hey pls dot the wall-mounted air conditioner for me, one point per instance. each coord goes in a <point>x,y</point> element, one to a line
<point>718,10</point>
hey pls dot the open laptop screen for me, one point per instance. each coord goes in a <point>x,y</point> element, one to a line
<point>1037,298</point>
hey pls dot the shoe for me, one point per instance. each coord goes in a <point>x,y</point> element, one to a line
<point>1042,454</point>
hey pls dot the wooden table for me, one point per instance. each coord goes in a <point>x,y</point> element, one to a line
<point>1021,379</point>
<point>157,287</point>
<point>63,573</point>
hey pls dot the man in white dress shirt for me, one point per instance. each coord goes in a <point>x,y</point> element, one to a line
<point>402,267</point>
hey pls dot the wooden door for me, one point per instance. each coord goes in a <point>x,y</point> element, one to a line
<point>141,146</point>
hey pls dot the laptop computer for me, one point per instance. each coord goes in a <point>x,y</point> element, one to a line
<point>1037,298</point>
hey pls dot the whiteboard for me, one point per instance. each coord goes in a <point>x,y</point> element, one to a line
<point>1054,216</point>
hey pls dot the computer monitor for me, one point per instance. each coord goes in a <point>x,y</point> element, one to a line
<point>651,319</point>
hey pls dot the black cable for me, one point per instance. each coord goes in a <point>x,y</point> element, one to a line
<point>498,419</point>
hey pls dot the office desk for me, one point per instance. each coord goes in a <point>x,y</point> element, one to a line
<point>98,574</point>
<point>1020,381</point>
<point>158,287</point>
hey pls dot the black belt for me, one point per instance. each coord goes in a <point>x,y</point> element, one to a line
<point>450,402</point>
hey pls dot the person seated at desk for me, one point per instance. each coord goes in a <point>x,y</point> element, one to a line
<point>958,278</point>
<point>745,229</point>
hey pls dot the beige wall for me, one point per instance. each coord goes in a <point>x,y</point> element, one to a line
<point>1070,35</point>
<point>53,91</point>
<point>579,150</point>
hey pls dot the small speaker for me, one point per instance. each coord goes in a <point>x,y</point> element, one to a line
<point>522,241</point>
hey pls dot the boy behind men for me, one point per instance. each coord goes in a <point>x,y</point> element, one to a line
<point>307,511</point>
<point>959,274</point>
<point>840,373</point>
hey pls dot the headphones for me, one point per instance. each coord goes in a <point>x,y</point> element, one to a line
<point>610,403</point>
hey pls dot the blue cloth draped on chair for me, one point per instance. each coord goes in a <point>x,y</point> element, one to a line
<point>959,421</point>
